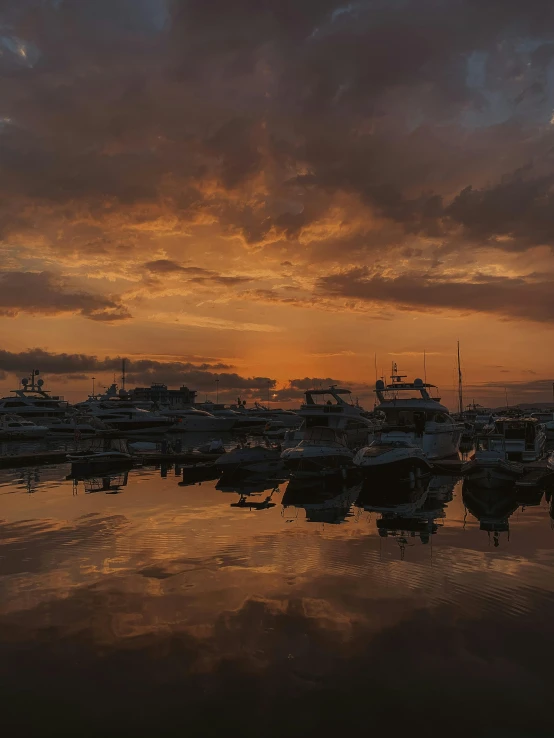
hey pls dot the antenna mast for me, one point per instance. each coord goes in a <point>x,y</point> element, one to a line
<point>460,389</point>
<point>123,362</point>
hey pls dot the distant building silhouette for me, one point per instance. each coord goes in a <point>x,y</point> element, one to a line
<point>160,394</point>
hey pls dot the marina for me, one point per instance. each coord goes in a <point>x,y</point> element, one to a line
<point>268,555</point>
<point>276,370</point>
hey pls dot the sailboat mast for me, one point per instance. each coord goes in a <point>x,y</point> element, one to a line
<point>460,388</point>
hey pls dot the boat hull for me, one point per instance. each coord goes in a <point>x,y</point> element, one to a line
<point>18,435</point>
<point>310,465</point>
<point>199,425</point>
<point>138,428</point>
<point>435,444</point>
<point>493,474</point>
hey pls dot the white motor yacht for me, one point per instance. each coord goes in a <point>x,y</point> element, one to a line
<point>81,426</point>
<point>262,412</point>
<point>125,417</point>
<point>394,456</point>
<point>409,409</point>
<point>258,459</point>
<point>523,439</point>
<point>32,402</point>
<point>328,408</point>
<point>322,451</point>
<point>490,466</point>
<point>13,427</point>
<point>192,419</point>
<point>243,421</point>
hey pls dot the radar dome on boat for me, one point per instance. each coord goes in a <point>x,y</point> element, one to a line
<point>40,382</point>
<point>24,382</point>
<point>418,382</point>
<point>379,384</point>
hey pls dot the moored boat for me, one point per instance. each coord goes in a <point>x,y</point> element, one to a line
<point>259,459</point>
<point>394,457</point>
<point>328,408</point>
<point>13,427</point>
<point>322,451</point>
<point>523,439</point>
<point>489,466</point>
<point>421,419</point>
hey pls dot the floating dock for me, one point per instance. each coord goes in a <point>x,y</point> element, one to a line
<point>36,458</point>
<point>43,458</point>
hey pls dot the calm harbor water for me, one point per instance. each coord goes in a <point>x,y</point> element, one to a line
<point>138,604</point>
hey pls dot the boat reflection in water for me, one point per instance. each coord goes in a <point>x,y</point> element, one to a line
<point>327,500</point>
<point>250,488</point>
<point>220,607</point>
<point>198,473</point>
<point>491,507</point>
<point>111,483</point>
<point>408,511</point>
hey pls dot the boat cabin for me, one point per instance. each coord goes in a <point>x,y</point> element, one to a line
<point>524,438</point>
<point>321,436</point>
<point>33,401</point>
<point>329,408</point>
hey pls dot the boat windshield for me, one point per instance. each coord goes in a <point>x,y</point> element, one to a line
<point>322,435</point>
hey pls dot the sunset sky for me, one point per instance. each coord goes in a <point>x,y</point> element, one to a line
<point>278,190</point>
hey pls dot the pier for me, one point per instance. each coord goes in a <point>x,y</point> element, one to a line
<point>44,458</point>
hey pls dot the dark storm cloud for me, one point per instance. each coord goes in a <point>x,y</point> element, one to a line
<point>45,293</point>
<point>166,266</point>
<point>193,273</point>
<point>520,208</point>
<point>201,376</point>
<point>514,298</point>
<point>117,104</point>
